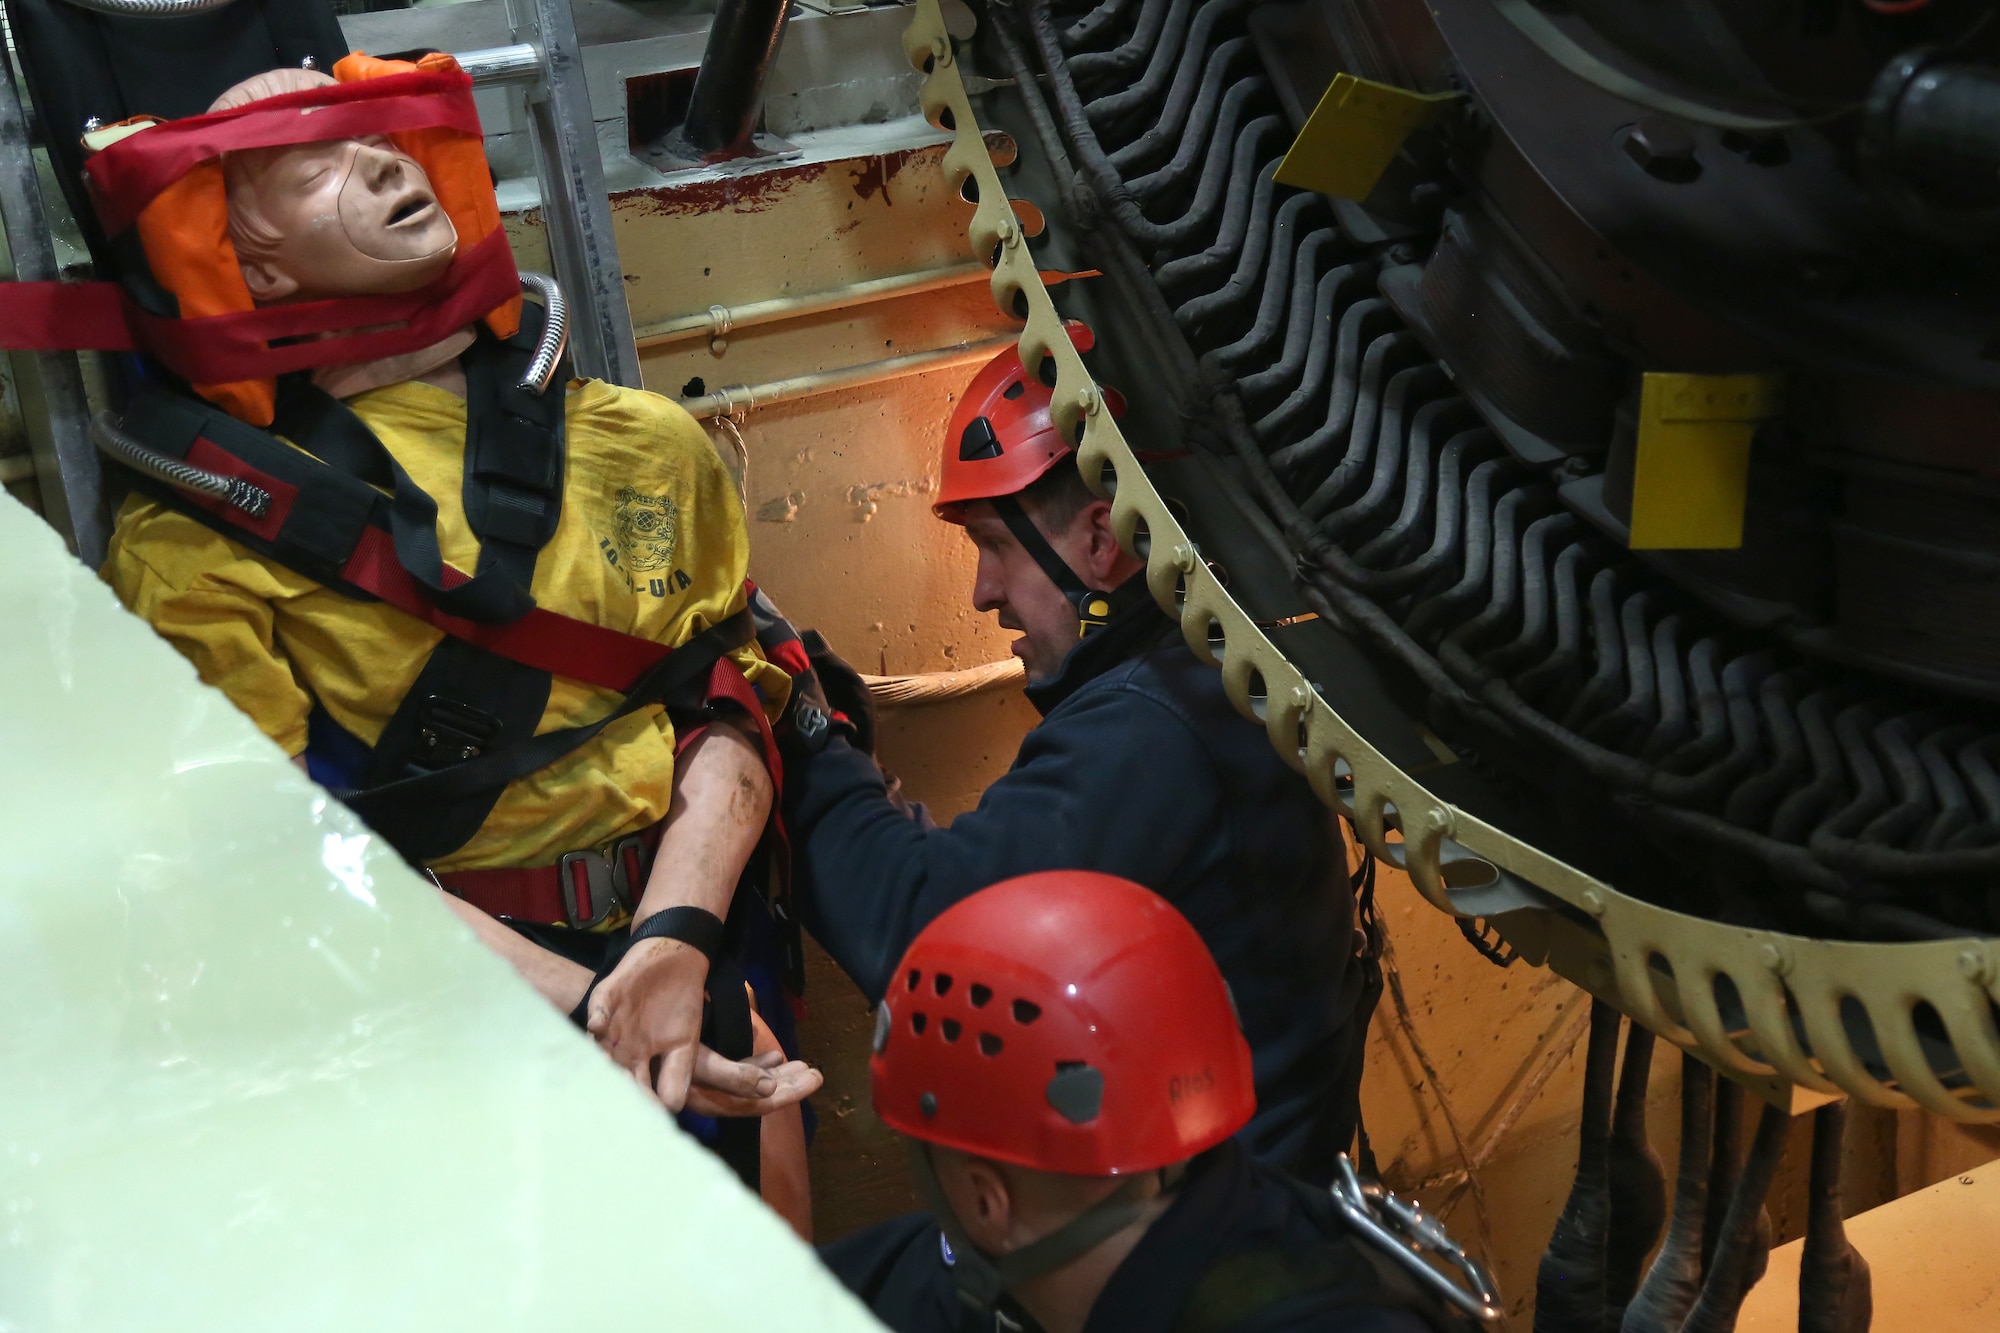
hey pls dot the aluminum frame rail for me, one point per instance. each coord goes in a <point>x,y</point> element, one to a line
<point>1788,997</point>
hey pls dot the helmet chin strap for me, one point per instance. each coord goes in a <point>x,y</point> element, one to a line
<point>1094,606</point>
<point>982,1278</point>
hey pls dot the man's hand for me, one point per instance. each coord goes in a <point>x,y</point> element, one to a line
<point>758,1086</point>
<point>647,1016</point>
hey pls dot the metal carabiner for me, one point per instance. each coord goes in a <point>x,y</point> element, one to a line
<point>1406,1233</point>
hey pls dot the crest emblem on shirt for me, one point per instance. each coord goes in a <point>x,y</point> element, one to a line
<point>647,528</point>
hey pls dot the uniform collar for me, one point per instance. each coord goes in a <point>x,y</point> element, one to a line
<point>1161,1272</point>
<point>1138,626</point>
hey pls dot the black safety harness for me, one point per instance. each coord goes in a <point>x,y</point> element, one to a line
<point>338,508</point>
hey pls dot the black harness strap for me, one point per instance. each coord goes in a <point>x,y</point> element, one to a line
<point>400,811</point>
<point>514,460</point>
<point>726,1029</point>
<point>1094,606</point>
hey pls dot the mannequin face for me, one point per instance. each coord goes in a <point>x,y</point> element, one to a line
<point>345,217</point>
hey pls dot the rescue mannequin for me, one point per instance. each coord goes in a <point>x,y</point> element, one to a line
<point>1064,1057</point>
<point>650,543</point>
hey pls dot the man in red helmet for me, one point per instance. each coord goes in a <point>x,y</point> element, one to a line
<point>1064,1057</point>
<point>1140,767</point>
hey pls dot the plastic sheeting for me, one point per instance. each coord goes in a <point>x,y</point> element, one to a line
<point>253,1075</point>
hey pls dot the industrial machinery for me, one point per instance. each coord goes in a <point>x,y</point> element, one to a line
<point>1571,430</point>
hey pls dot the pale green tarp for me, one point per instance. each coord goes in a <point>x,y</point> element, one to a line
<point>253,1075</point>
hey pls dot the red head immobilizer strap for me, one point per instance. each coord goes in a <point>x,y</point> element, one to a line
<point>166,182</point>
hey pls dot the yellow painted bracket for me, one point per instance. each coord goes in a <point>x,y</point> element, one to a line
<point>1354,133</point>
<point>1693,464</point>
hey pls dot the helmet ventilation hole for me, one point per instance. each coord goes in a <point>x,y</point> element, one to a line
<point>941,983</point>
<point>1015,390</point>
<point>950,1028</point>
<point>1026,1012</point>
<point>918,1023</point>
<point>915,977</point>
<point>980,995</point>
<point>989,1044</point>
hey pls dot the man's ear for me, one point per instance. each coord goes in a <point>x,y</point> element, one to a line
<point>1108,565</point>
<point>268,283</point>
<point>989,1220</point>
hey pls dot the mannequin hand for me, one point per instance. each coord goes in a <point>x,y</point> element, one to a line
<point>647,1017</point>
<point>762,1084</point>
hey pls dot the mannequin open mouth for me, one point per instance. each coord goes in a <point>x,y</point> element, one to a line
<point>414,209</point>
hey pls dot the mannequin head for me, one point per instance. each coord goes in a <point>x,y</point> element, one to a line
<point>341,217</point>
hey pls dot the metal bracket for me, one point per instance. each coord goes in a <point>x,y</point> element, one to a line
<point>576,208</point>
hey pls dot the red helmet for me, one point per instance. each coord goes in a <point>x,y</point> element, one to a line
<point>1002,437</point>
<point>1067,1021</point>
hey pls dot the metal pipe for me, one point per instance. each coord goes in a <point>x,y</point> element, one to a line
<point>519,63</point>
<point>728,94</point>
<point>744,397</point>
<point>106,430</point>
<point>152,9</point>
<point>718,320</point>
<point>555,332</point>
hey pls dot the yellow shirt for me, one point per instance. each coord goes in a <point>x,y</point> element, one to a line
<point>652,542</point>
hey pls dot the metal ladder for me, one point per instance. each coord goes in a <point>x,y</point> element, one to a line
<point>545,63</point>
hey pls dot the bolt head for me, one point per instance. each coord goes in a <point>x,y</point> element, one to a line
<point>1975,965</point>
<point>1663,149</point>
<point>1774,959</point>
<point>1593,902</point>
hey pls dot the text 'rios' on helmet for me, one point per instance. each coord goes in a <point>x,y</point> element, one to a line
<point>1066,1021</point>
<point>1002,437</point>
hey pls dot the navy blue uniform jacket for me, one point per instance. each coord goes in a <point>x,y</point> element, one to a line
<point>1140,767</point>
<point>1231,1219</point>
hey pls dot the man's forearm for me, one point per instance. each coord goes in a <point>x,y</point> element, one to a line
<point>561,982</point>
<point>721,802</point>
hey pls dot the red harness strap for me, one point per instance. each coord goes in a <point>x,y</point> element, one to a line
<point>220,349</point>
<point>129,174</point>
<point>542,639</point>
<point>568,892</point>
<point>264,343</point>
<point>64,316</point>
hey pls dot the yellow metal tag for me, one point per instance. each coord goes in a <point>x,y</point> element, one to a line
<point>1353,134</point>
<point>1693,463</point>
